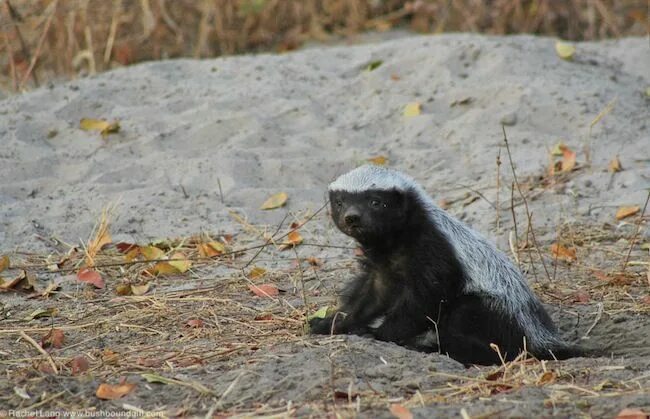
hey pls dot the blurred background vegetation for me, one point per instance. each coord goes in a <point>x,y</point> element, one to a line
<point>44,40</point>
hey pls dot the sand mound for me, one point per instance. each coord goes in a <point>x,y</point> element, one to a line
<point>200,139</point>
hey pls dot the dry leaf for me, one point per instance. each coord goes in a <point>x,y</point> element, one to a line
<point>568,160</point>
<point>546,378</point>
<point>293,239</point>
<point>182,264</point>
<point>91,277</point>
<point>140,289</point>
<point>152,253</point>
<point>256,272</point>
<point>43,312</point>
<point>123,289</point>
<point>125,247</point>
<point>314,261</point>
<point>631,413</point>
<point>275,201</point>
<point>195,323</point>
<point>400,411</point>
<point>54,338</point>
<point>7,284</point>
<point>412,109</point>
<point>565,50</point>
<point>4,263</point>
<point>113,392</point>
<point>563,253</point>
<point>104,127</point>
<point>164,268</point>
<point>211,249</point>
<point>264,290</point>
<point>379,160</point>
<point>581,297</point>
<point>624,212</point>
<point>79,365</point>
<point>615,165</point>
<point>558,149</point>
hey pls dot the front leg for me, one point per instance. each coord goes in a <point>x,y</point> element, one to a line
<point>360,305</point>
<point>406,319</point>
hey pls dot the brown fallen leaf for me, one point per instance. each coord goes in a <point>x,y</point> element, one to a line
<point>11,283</point>
<point>91,277</point>
<point>195,323</point>
<point>624,212</point>
<point>152,253</point>
<point>264,290</point>
<point>104,127</point>
<point>580,297</point>
<point>125,248</point>
<point>181,262</point>
<point>79,364</point>
<point>123,289</point>
<point>293,239</point>
<point>615,165</point>
<point>4,263</point>
<point>211,249</point>
<point>54,338</point>
<point>379,160</point>
<point>256,272</point>
<point>140,289</point>
<point>400,411</point>
<point>632,413</point>
<point>275,201</point>
<point>113,392</point>
<point>546,378</point>
<point>568,159</point>
<point>164,268</point>
<point>563,253</point>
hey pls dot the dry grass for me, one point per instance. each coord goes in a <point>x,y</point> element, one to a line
<point>51,39</point>
<point>207,317</point>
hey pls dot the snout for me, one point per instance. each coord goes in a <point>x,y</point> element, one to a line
<point>352,218</point>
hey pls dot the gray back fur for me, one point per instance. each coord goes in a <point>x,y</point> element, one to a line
<point>489,271</point>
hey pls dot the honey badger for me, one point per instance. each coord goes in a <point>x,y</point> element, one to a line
<point>424,270</point>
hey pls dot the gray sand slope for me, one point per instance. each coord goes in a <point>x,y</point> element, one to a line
<point>260,124</point>
<point>257,125</point>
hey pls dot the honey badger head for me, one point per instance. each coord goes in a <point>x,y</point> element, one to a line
<point>370,204</point>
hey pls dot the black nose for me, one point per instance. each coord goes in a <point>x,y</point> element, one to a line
<point>352,219</point>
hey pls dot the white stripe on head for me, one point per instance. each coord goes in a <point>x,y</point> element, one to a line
<point>370,177</point>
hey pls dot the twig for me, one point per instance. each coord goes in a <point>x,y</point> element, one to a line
<point>40,349</point>
<point>13,15</point>
<point>636,233</point>
<point>220,191</point>
<point>12,64</point>
<point>39,46</point>
<point>515,251</point>
<point>514,175</point>
<point>498,220</point>
<point>270,240</point>
<point>596,320</point>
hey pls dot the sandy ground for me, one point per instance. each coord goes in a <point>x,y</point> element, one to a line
<point>200,140</point>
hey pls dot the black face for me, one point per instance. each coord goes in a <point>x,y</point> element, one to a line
<point>369,216</point>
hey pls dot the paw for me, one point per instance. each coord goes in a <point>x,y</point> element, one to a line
<point>320,326</point>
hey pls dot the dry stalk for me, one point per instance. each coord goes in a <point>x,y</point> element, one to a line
<point>37,53</point>
<point>523,197</point>
<point>636,233</point>
<point>39,349</point>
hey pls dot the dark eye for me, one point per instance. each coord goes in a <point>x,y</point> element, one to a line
<point>338,203</point>
<point>375,203</point>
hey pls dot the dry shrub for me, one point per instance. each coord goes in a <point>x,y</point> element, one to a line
<point>46,39</point>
